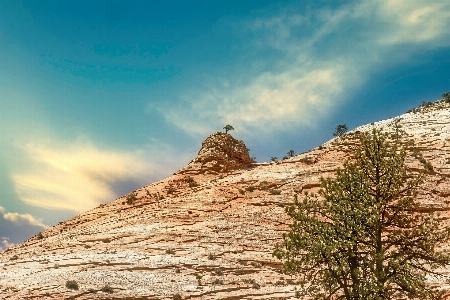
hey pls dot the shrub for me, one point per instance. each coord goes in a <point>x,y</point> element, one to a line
<point>256,285</point>
<point>275,192</point>
<point>107,289</point>
<point>131,198</point>
<point>40,236</point>
<point>72,285</point>
<point>446,97</point>
<point>176,297</point>
<point>308,160</point>
<point>170,251</point>
<point>250,188</point>
<point>426,104</point>
<point>193,184</point>
<point>212,256</point>
<point>263,185</point>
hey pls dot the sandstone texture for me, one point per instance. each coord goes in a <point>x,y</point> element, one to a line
<point>208,231</point>
<point>220,152</point>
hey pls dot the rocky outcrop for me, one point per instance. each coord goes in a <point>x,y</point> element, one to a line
<point>202,235</point>
<point>220,153</point>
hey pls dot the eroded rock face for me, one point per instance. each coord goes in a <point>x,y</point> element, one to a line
<point>220,153</point>
<point>206,235</point>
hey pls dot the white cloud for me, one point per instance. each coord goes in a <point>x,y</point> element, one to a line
<point>414,21</point>
<point>21,219</point>
<point>321,58</point>
<point>6,244</point>
<point>75,177</point>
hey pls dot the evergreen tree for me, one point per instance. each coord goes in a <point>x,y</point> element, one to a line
<point>291,153</point>
<point>228,127</point>
<point>340,130</point>
<point>363,236</point>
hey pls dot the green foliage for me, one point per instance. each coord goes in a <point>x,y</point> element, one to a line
<point>341,129</point>
<point>191,182</point>
<point>275,192</point>
<point>228,127</point>
<point>72,285</point>
<point>363,236</point>
<point>250,188</point>
<point>170,251</point>
<point>131,198</point>
<point>426,104</point>
<point>176,297</point>
<point>446,97</point>
<point>107,289</point>
<point>274,158</point>
<point>291,153</point>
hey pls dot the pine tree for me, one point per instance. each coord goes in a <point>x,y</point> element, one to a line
<point>228,127</point>
<point>362,236</point>
<point>340,130</point>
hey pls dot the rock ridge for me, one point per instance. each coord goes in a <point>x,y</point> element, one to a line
<point>220,152</point>
<point>208,232</point>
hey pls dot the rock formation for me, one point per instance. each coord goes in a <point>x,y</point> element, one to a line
<point>207,232</point>
<point>220,152</point>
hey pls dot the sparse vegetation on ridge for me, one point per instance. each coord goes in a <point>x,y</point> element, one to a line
<point>340,130</point>
<point>131,198</point>
<point>228,127</point>
<point>365,238</point>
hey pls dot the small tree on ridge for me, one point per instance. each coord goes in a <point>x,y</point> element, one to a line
<point>340,130</point>
<point>228,127</point>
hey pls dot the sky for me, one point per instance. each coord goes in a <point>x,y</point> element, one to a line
<point>99,98</point>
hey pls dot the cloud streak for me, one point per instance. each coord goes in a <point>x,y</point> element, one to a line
<point>321,59</point>
<point>75,177</point>
<point>16,227</point>
<point>21,219</point>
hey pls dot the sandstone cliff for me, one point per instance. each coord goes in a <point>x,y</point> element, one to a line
<point>208,231</point>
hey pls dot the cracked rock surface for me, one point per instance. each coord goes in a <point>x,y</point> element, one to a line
<point>208,231</point>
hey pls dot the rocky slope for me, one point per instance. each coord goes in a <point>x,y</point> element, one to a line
<point>208,231</point>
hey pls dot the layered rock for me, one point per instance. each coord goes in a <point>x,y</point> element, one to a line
<point>220,153</point>
<point>203,235</point>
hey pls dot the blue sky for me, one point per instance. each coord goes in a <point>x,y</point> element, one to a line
<point>98,98</point>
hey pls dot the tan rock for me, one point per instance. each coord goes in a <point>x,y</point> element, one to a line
<point>220,153</point>
<point>207,232</point>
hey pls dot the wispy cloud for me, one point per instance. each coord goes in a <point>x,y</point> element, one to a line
<point>6,244</point>
<point>15,227</point>
<point>21,219</point>
<point>321,58</point>
<point>75,176</point>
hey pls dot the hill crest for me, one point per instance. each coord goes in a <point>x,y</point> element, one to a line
<point>205,232</point>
